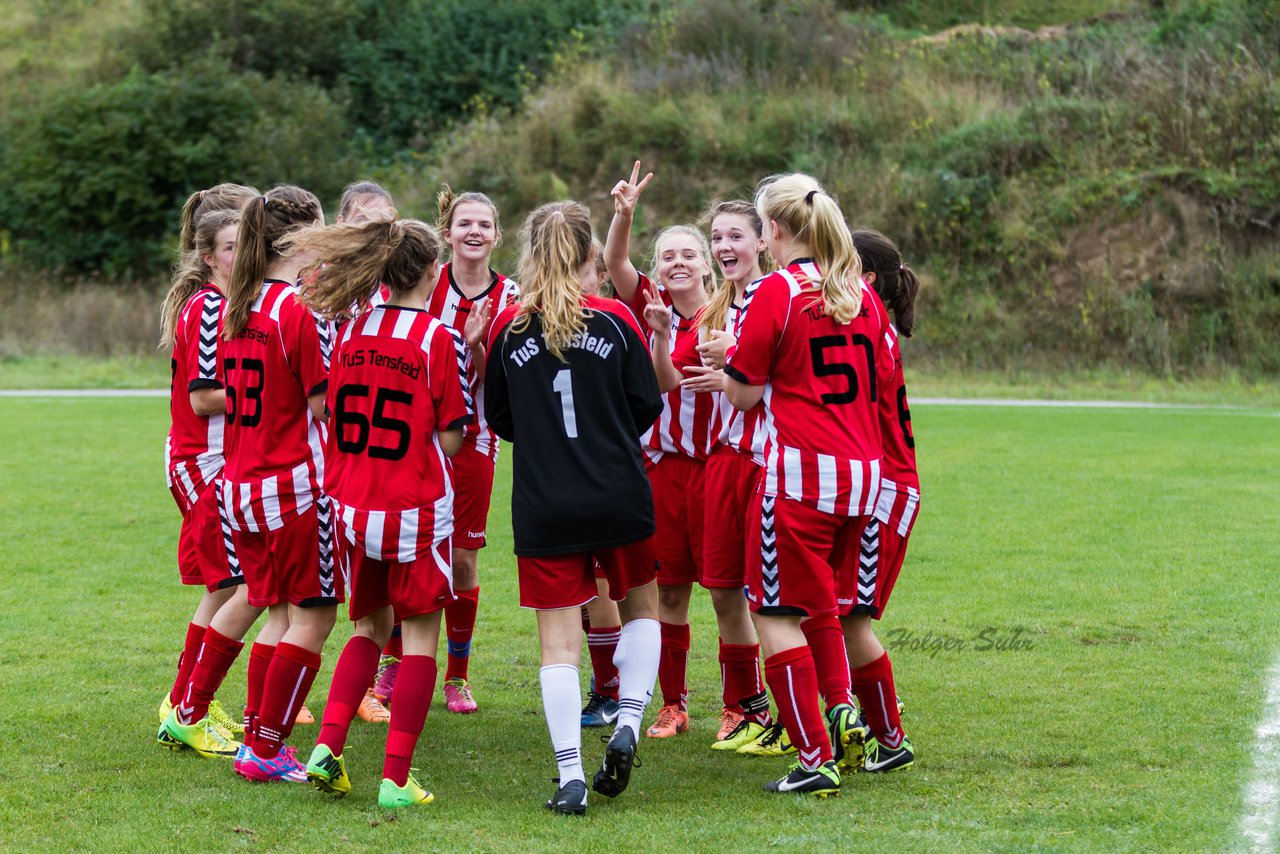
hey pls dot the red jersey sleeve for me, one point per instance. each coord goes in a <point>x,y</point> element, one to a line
<point>201,341</point>
<point>756,352</point>
<point>619,309</point>
<point>301,334</point>
<point>446,372</point>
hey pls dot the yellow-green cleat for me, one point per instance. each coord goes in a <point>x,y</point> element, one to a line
<point>165,708</point>
<point>203,737</point>
<point>391,796</point>
<point>745,733</point>
<point>772,741</point>
<point>329,773</point>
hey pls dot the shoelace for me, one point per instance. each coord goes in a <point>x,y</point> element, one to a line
<point>667,716</point>
<point>595,703</point>
<point>771,736</point>
<point>220,717</point>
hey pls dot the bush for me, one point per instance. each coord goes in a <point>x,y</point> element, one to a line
<point>96,177</point>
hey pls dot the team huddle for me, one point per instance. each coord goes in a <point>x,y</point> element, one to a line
<point>337,399</point>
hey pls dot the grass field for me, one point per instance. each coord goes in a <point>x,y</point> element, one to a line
<point>1128,557</point>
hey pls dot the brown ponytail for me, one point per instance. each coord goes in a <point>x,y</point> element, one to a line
<point>193,273</point>
<point>896,283</point>
<point>360,256</point>
<point>217,198</point>
<point>265,221</point>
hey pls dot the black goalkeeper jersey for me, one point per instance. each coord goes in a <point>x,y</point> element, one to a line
<point>579,482</point>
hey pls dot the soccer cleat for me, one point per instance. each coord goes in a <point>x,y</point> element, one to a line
<point>166,706</point>
<point>284,768</point>
<point>569,799</point>
<point>385,682</point>
<point>877,758</point>
<point>223,721</point>
<point>457,697</point>
<point>672,720</point>
<point>203,737</point>
<point>772,741</point>
<point>371,710</point>
<point>304,716</point>
<point>599,711</point>
<point>729,723</point>
<point>746,732</point>
<point>846,736</point>
<point>823,781</point>
<point>619,757</point>
<point>328,772</point>
<point>411,794</point>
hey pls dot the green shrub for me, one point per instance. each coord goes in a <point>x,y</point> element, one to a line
<point>95,177</point>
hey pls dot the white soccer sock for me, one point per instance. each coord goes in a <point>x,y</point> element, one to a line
<point>562,704</point>
<point>636,658</point>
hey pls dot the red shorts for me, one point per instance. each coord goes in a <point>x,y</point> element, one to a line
<point>472,490</point>
<point>731,482</point>
<point>800,561</point>
<point>884,547</point>
<point>411,589</point>
<point>567,581</point>
<point>678,497</point>
<point>290,564</point>
<point>203,542</point>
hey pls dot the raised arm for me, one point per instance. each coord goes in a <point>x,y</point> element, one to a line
<point>617,247</point>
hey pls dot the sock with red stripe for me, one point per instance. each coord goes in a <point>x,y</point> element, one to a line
<point>289,679</point>
<point>460,625</point>
<point>357,665</point>
<point>260,655</point>
<point>394,648</point>
<point>794,684</point>
<point>826,639</point>
<point>873,683</point>
<point>217,653</point>
<point>186,662</point>
<point>739,673</point>
<point>602,643</point>
<point>410,702</point>
<point>673,664</point>
<point>585,615</point>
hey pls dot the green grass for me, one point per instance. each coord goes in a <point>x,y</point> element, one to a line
<point>1134,549</point>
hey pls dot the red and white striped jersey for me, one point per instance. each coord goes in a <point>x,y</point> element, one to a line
<point>899,481</point>
<point>395,381</point>
<point>731,428</point>
<point>448,305</point>
<point>193,449</point>
<point>821,379</point>
<point>684,427</point>
<point>274,446</point>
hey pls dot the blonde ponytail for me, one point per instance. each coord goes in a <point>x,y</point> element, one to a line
<point>555,242</point>
<point>798,203</point>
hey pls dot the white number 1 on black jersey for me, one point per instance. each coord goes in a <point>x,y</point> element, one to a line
<point>563,386</point>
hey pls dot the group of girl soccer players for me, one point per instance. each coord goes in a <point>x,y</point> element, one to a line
<point>338,394</point>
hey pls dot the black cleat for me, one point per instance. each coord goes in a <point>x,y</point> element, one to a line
<point>569,799</point>
<point>822,782</point>
<point>614,774</point>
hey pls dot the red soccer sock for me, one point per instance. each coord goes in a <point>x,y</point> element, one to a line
<point>873,683</point>
<point>460,625</point>
<point>357,665</point>
<point>826,639</point>
<point>394,648</point>
<point>410,702</point>
<point>217,654</point>
<point>186,662</point>
<point>739,673</point>
<point>794,684</point>
<point>260,655</point>
<point>673,663</point>
<point>289,679</point>
<point>602,643</point>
